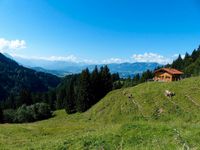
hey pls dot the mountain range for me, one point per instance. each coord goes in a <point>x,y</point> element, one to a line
<point>62,68</point>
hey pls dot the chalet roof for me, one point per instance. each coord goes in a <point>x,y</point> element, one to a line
<point>170,71</point>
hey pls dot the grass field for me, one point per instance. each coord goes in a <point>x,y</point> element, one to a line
<point>139,117</point>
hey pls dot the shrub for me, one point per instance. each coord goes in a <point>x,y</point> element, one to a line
<point>24,114</point>
<point>42,111</point>
<point>30,113</point>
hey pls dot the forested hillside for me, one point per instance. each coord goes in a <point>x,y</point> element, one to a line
<point>17,83</point>
<point>190,64</point>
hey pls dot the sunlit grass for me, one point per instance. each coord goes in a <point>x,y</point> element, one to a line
<point>119,122</point>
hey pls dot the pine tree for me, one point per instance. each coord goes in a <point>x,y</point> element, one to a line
<point>146,75</point>
<point>106,80</point>
<point>52,99</point>
<point>136,78</point>
<point>198,51</point>
<point>84,90</point>
<point>194,55</point>
<point>60,99</point>
<point>95,88</point>
<point>178,63</point>
<point>187,60</point>
<point>70,98</point>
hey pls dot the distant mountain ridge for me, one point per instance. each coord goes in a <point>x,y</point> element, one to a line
<point>62,68</point>
<point>14,78</point>
<point>59,73</point>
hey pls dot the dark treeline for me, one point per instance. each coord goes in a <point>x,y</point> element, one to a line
<point>79,92</point>
<point>190,64</point>
<point>25,96</point>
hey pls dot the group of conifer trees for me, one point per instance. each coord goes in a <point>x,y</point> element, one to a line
<point>79,92</point>
<point>190,64</point>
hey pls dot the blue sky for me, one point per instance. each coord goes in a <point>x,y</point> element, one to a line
<point>99,30</point>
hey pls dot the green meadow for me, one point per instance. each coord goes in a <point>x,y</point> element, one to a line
<point>140,117</point>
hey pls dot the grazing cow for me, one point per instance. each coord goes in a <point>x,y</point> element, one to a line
<point>169,94</point>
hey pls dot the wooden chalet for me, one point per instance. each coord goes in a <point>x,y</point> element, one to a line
<point>167,74</point>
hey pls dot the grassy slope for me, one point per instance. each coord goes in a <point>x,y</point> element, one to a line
<point>147,99</point>
<point>119,122</point>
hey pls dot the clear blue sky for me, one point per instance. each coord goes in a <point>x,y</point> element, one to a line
<point>101,29</point>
